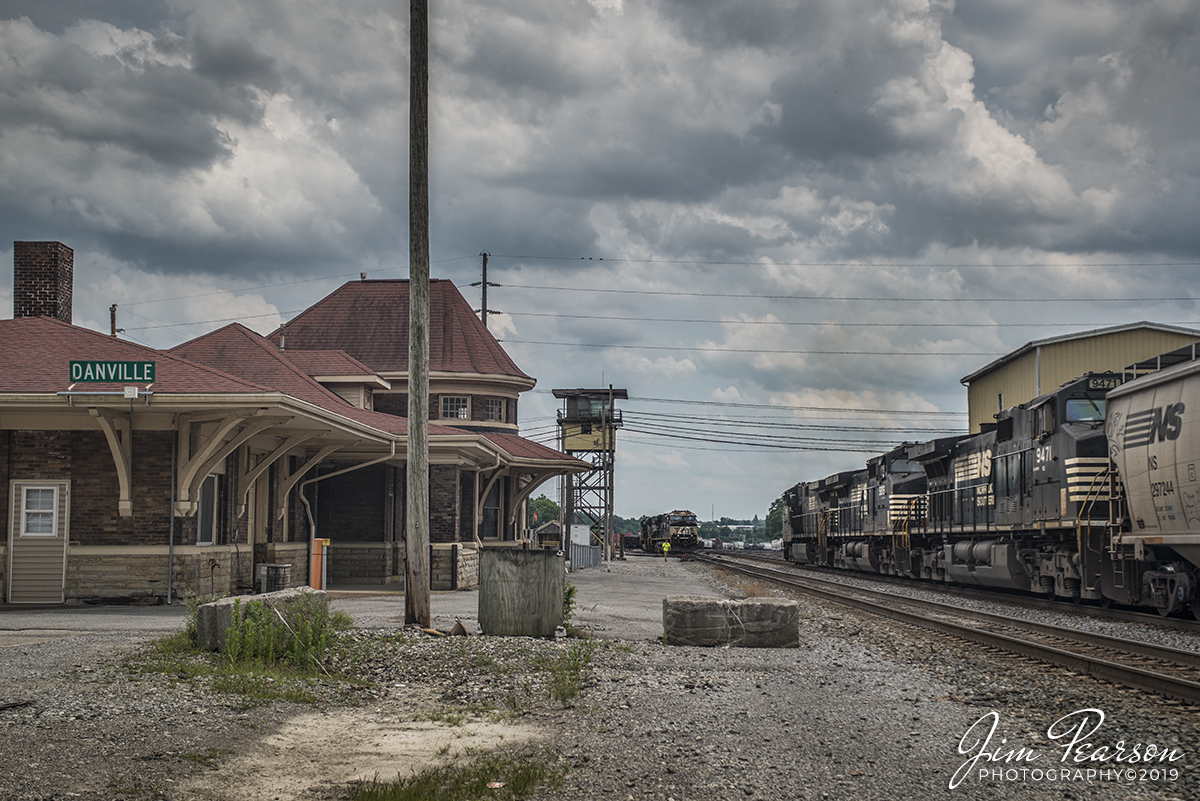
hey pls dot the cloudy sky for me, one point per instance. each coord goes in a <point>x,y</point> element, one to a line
<point>786,228</point>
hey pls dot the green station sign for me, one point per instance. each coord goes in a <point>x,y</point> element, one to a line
<point>104,372</point>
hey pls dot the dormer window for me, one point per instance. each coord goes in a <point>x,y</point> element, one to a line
<point>456,407</point>
<point>494,410</point>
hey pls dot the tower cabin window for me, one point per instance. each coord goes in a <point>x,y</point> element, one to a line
<point>494,410</point>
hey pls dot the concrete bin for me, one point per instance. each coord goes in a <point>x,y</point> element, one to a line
<point>751,623</point>
<point>520,592</point>
<point>214,619</point>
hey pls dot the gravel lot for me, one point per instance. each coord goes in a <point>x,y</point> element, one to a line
<point>863,710</point>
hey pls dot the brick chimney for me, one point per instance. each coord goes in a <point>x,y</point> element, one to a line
<point>43,275</point>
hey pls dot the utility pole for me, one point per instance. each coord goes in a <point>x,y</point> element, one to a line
<point>416,574</point>
<point>483,307</point>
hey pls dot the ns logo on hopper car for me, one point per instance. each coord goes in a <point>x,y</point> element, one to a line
<point>1154,425</point>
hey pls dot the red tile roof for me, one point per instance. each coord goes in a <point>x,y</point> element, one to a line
<point>36,352</point>
<point>369,321</point>
<point>521,448</point>
<point>236,349</point>
<point>328,362</point>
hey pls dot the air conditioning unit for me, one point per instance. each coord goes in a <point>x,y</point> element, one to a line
<point>272,578</point>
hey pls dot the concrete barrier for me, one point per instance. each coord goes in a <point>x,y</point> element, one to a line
<point>752,623</point>
<point>214,619</point>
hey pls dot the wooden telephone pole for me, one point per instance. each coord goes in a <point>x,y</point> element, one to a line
<point>416,573</point>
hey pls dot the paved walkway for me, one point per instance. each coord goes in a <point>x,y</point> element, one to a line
<point>621,601</point>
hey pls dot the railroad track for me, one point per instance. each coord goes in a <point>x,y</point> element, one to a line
<point>1169,671</point>
<point>1001,596</point>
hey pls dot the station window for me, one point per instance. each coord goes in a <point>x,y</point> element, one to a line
<point>456,407</point>
<point>206,514</point>
<point>39,516</point>
<point>494,411</point>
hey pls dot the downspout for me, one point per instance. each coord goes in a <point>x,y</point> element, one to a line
<point>1038,362</point>
<point>312,523</point>
<point>171,541</point>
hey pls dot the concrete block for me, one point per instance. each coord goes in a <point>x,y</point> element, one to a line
<point>214,619</point>
<point>751,623</point>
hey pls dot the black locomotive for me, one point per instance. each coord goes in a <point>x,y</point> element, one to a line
<point>679,528</point>
<point>1033,503</point>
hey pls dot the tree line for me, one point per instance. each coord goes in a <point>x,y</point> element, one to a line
<point>542,510</point>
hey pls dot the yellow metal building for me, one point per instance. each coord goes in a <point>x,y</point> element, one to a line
<point>1044,365</point>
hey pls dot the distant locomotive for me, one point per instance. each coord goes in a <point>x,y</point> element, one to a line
<point>1034,503</point>
<point>679,528</point>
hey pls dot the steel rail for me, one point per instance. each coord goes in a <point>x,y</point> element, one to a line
<point>1140,678</point>
<point>1032,600</point>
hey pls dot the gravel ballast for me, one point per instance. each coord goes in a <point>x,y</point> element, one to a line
<point>863,709</point>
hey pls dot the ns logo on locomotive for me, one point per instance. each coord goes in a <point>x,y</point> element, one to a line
<point>1087,493</point>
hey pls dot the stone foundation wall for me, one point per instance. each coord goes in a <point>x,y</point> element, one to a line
<point>290,553</point>
<point>453,566</point>
<point>359,563</point>
<point>139,573</point>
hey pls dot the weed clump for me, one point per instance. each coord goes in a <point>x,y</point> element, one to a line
<point>294,633</point>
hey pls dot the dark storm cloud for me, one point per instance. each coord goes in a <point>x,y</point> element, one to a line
<point>234,63</point>
<point>158,111</point>
<point>59,15</point>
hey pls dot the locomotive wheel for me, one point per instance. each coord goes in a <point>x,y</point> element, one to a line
<point>1163,611</point>
<point>1105,601</point>
<point>1196,611</point>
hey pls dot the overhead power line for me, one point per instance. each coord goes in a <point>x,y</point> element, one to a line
<point>761,263</point>
<point>701,349</point>
<point>783,407</point>
<point>824,298</point>
<point>807,323</point>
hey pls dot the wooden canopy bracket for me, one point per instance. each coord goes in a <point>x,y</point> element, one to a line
<point>118,431</point>
<point>286,486</point>
<point>248,475</point>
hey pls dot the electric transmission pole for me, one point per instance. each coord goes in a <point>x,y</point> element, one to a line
<point>483,307</point>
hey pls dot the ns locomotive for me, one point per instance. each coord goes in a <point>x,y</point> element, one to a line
<point>1087,493</point>
<point>678,528</point>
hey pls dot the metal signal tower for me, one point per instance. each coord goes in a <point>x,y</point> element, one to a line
<point>587,430</point>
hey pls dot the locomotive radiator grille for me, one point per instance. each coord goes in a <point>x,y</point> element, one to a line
<point>1085,479</point>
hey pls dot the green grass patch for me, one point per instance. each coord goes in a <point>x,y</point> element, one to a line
<point>568,671</point>
<point>209,758</point>
<point>268,656</point>
<point>520,774</point>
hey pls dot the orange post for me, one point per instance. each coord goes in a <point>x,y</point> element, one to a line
<point>316,565</point>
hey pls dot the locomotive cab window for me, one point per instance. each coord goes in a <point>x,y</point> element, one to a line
<point>1085,410</point>
<point>1043,420</point>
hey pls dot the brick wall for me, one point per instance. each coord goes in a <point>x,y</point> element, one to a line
<point>443,503</point>
<point>397,404</point>
<point>391,403</point>
<point>351,507</point>
<point>43,275</point>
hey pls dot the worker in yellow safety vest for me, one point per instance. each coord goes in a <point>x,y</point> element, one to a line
<point>666,549</point>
